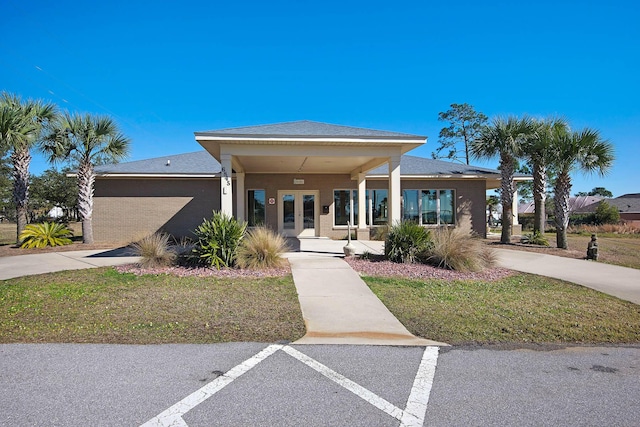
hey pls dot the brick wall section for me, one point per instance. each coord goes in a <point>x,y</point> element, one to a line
<point>127,209</point>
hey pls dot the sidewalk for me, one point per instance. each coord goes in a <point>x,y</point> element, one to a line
<point>26,265</point>
<point>620,282</point>
<point>339,308</point>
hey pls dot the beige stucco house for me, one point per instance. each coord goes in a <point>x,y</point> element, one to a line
<point>304,179</point>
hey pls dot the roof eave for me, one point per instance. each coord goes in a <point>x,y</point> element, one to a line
<point>203,136</point>
<point>153,175</point>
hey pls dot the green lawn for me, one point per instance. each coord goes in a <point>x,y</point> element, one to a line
<point>618,249</point>
<point>104,306</point>
<point>522,308</point>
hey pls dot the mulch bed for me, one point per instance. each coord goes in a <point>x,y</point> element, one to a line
<point>421,271</point>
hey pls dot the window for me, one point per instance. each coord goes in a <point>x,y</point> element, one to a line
<point>429,207</point>
<point>411,205</point>
<point>378,203</point>
<point>447,207</point>
<point>345,207</point>
<point>255,204</point>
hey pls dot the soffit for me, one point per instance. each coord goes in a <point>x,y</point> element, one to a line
<point>306,147</point>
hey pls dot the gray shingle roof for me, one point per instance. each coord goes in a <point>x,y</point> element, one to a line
<point>202,163</point>
<point>628,203</point>
<point>413,165</point>
<point>307,128</point>
<point>196,163</point>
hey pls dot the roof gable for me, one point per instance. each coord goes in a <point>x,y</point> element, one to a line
<point>307,129</point>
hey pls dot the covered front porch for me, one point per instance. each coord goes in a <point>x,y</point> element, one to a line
<point>296,168</point>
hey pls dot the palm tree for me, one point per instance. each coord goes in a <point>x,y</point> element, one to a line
<point>537,153</point>
<point>86,140</point>
<point>21,126</point>
<point>585,151</point>
<point>504,138</point>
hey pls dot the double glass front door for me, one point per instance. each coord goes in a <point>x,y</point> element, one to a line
<point>297,213</point>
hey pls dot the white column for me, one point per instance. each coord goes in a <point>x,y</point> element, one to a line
<point>514,207</point>
<point>240,196</point>
<point>395,215</point>
<point>362,201</point>
<point>226,190</point>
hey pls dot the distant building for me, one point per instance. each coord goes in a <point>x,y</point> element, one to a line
<point>629,207</point>
<point>577,204</point>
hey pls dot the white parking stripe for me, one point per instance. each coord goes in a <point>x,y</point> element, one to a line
<point>412,416</point>
<point>416,409</point>
<point>356,389</point>
<point>172,417</point>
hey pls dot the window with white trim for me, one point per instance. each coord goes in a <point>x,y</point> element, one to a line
<point>256,208</point>
<point>345,207</point>
<point>377,207</point>
<point>429,207</point>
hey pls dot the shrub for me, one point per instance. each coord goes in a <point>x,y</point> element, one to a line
<point>218,240</point>
<point>535,238</point>
<point>154,251</point>
<point>606,214</point>
<point>622,228</point>
<point>406,242</point>
<point>261,248</point>
<point>45,234</point>
<point>456,249</point>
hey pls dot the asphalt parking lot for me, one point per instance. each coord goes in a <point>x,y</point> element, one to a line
<point>315,385</point>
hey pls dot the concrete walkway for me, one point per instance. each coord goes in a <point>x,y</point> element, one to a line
<point>620,282</point>
<point>27,265</point>
<point>339,308</point>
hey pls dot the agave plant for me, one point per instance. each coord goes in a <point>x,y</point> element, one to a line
<point>218,240</point>
<point>406,242</point>
<point>45,234</point>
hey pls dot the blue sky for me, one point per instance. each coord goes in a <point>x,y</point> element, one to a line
<point>167,69</point>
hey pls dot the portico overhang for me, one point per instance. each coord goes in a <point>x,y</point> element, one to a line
<point>307,147</point>
<point>324,155</point>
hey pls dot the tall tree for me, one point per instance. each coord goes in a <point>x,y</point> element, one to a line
<point>21,126</point>
<point>54,188</point>
<point>583,151</point>
<point>504,138</point>
<point>596,191</point>
<point>537,154</point>
<point>465,125</point>
<point>86,140</point>
<point>7,208</point>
